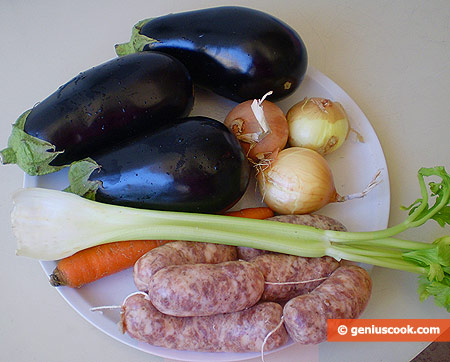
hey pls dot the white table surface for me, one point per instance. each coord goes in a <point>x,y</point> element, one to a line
<point>392,57</point>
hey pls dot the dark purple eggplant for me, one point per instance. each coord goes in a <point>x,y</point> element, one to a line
<point>236,52</point>
<point>99,107</point>
<point>193,164</point>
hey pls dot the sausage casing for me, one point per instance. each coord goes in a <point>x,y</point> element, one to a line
<point>206,289</point>
<point>344,295</point>
<point>282,268</point>
<point>242,331</point>
<point>315,220</point>
<point>177,253</point>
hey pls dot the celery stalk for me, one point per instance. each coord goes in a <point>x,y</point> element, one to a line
<point>51,224</point>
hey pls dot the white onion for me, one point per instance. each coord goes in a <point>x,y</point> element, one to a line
<point>319,124</point>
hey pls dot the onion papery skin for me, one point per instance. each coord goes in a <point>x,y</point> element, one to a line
<point>319,124</point>
<point>298,181</point>
<point>275,141</point>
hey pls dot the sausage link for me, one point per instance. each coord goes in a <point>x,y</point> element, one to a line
<point>314,220</point>
<point>206,289</point>
<point>242,331</point>
<point>247,253</point>
<point>282,268</point>
<point>344,295</point>
<point>177,253</point>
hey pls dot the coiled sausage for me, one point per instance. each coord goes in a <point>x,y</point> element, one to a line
<point>177,253</point>
<point>315,220</point>
<point>343,295</point>
<point>242,331</point>
<point>206,289</point>
<point>301,271</point>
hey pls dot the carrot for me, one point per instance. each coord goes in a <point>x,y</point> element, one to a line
<point>252,213</point>
<point>99,261</point>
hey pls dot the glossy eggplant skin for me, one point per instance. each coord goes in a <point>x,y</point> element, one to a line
<point>236,52</point>
<point>104,104</point>
<point>194,164</point>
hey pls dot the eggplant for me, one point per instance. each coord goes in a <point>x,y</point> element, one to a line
<point>98,107</point>
<point>194,164</point>
<point>236,52</point>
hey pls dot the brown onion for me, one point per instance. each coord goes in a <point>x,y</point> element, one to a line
<point>299,181</point>
<point>258,144</point>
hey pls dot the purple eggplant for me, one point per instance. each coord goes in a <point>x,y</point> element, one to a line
<point>194,164</point>
<point>99,107</point>
<point>236,52</point>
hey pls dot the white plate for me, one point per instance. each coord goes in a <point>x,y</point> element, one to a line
<point>353,166</point>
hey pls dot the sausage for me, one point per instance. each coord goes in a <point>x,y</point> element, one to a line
<point>282,268</point>
<point>206,289</point>
<point>242,331</point>
<point>315,220</point>
<point>246,253</point>
<point>344,295</point>
<point>177,253</point>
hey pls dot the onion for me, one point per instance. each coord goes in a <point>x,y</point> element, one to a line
<point>319,124</point>
<point>299,181</point>
<point>260,126</point>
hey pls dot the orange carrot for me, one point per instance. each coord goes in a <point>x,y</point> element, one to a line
<point>96,262</point>
<point>99,261</point>
<point>252,213</point>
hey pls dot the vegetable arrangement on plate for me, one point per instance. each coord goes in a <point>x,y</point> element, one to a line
<point>143,173</point>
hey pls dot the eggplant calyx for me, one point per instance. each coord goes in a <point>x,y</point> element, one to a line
<point>79,174</point>
<point>31,154</point>
<point>137,42</point>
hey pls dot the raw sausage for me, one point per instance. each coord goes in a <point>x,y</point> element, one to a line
<point>206,289</point>
<point>315,220</point>
<point>344,295</point>
<point>242,331</point>
<point>246,253</point>
<point>177,253</point>
<point>282,268</point>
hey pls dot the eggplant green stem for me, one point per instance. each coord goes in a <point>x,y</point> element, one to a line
<point>31,154</point>
<point>137,42</point>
